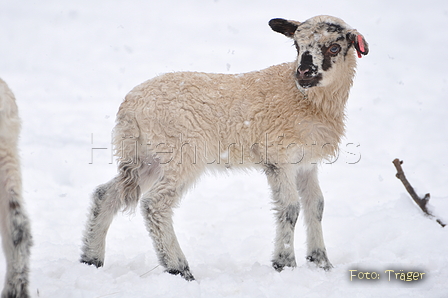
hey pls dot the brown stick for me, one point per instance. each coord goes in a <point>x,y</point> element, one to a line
<point>421,202</point>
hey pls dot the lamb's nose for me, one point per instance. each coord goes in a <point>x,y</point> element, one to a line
<point>303,71</point>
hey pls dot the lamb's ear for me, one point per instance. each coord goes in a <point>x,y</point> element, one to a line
<point>284,27</point>
<point>361,45</point>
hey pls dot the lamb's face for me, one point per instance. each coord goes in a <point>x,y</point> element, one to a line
<point>322,44</point>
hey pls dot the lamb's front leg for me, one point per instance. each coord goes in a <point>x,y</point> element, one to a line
<point>286,201</point>
<point>313,207</point>
<point>16,237</point>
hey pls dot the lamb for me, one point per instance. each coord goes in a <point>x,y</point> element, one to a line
<point>14,222</point>
<point>282,120</point>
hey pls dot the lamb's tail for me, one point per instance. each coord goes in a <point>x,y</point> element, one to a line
<point>127,142</point>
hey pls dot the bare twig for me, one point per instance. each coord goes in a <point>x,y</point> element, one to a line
<point>421,202</point>
<point>149,271</point>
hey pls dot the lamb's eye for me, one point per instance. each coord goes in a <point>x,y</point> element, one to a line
<point>334,49</point>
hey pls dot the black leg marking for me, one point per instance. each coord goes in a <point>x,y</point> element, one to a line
<point>185,273</point>
<point>21,293</point>
<point>98,196</point>
<point>16,284</point>
<point>319,257</point>
<point>21,235</point>
<point>18,235</point>
<point>291,214</point>
<point>320,210</point>
<point>100,192</point>
<point>19,224</point>
<point>282,260</point>
<point>95,261</point>
<point>271,169</point>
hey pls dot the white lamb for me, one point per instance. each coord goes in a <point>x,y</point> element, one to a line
<point>14,223</point>
<point>283,120</point>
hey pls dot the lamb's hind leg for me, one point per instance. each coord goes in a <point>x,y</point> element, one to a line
<point>157,211</point>
<point>122,191</point>
<point>286,201</point>
<point>105,204</point>
<point>313,206</point>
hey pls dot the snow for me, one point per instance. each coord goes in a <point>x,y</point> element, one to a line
<point>70,64</point>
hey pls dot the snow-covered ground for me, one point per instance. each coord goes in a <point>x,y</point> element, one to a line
<point>70,64</point>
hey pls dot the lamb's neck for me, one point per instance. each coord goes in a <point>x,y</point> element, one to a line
<point>329,101</point>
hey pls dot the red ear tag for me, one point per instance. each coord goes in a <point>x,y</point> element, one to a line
<point>361,46</point>
<point>361,43</point>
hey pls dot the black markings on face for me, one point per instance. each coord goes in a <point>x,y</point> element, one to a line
<point>297,47</point>
<point>307,72</point>
<point>314,81</point>
<point>347,49</point>
<point>326,63</point>
<point>307,60</point>
<point>331,39</point>
<point>334,28</point>
<point>328,52</point>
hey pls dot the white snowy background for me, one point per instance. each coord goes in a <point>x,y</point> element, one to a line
<point>70,64</point>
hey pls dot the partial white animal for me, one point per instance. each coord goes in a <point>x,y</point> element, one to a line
<point>14,223</point>
<point>283,120</point>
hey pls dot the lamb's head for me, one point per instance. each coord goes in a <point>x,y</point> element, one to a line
<point>325,48</point>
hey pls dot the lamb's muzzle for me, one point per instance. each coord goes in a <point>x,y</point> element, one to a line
<point>307,75</point>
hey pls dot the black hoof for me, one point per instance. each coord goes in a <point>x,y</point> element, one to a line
<point>186,274</point>
<point>20,291</point>
<point>319,258</point>
<point>284,260</point>
<point>278,267</point>
<point>95,261</point>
